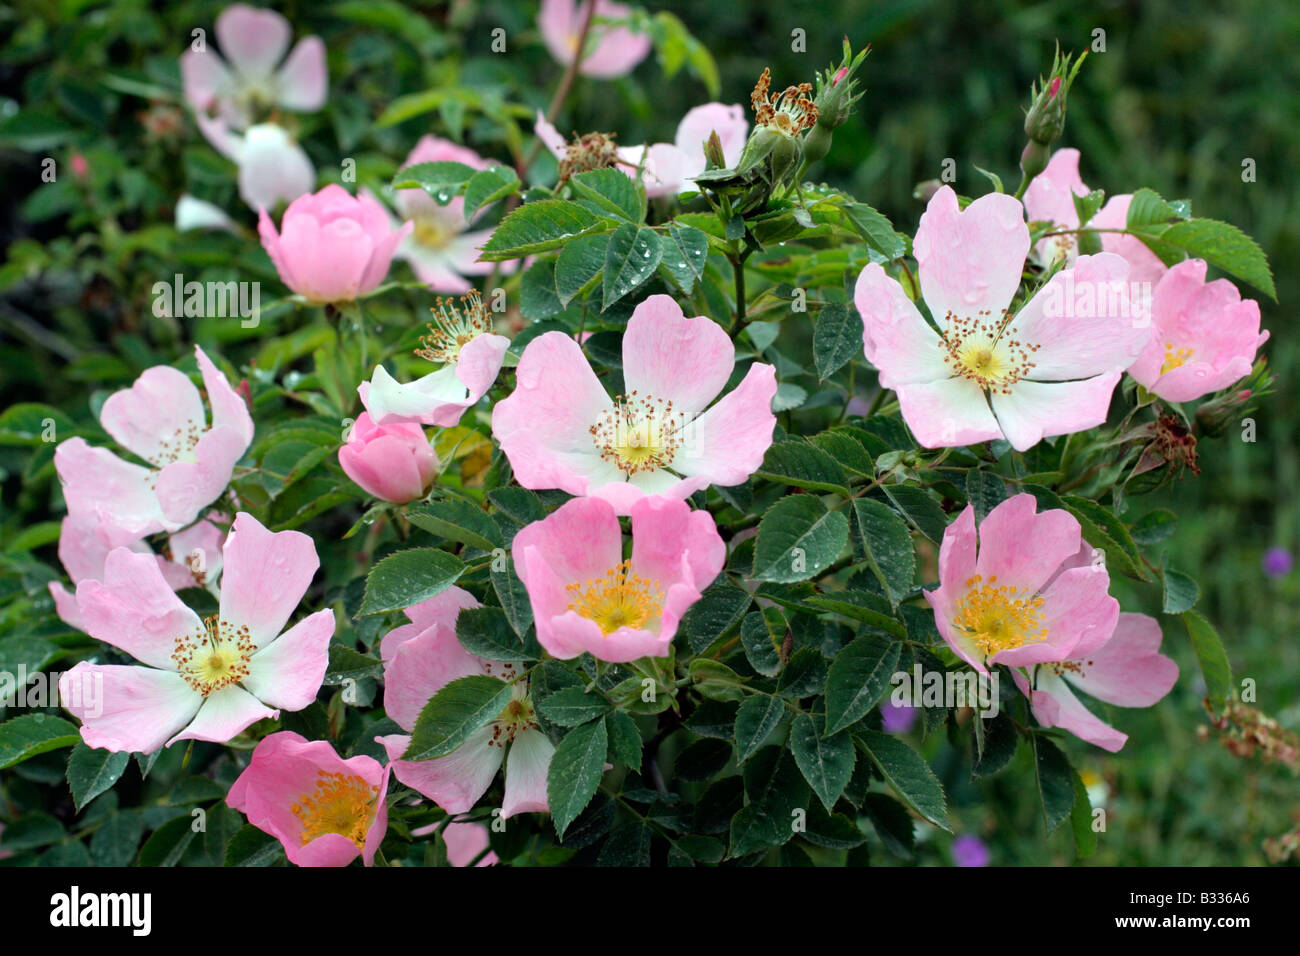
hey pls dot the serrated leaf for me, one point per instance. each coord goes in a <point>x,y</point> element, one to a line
<point>624,739</point>
<point>613,191</point>
<point>1213,659</point>
<point>858,677</point>
<point>909,775</point>
<point>486,632</point>
<point>756,718</point>
<point>795,462</point>
<point>442,180</point>
<point>720,607</point>
<point>876,230</point>
<point>537,227</point>
<point>92,771</point>
<point>985,491</point>
<point>454,713</point>
<point>630,258</point>
<point>887,546</point>
<point>1225,246</point>
<point>798,539</point>
<point>1055,779</point>
<point>1180,592</point>
<point>837,339</point>
<point>692,244</point>
<point>579,265</point>
<point>860,606</point>
<point>825,762</point>
<point>488,186</point>
<point>456,520</point>
<point>409,577</point>
<point>32,734</point>
<point>762,634</point>
<point>572,706</point>
<point>576,769</point>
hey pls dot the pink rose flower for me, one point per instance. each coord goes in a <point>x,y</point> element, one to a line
<point>1048,370</point>
<point>331,247</point>
<point>201,679</point>
<point>86,540</point>
<point>585,597</point>
<point>273,168</point>
<point>392,462</point>
<point>560,429</point>
<point>465,841</point>
<point>1127,671</point>
<point>1206,335</point>
<point>1049,198</point>
<point>1022,595</point>
<point>423,657</point>
<point>610,50</point>
<point>462,341</point>
<point>325,810</point>
<point>247,82</point>
<point>441,248</point>
<point>161,419</point>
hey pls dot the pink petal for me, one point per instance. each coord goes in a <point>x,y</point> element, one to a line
<point>97,482</point>
<point>668,356</point>
<point>527,765</point>
<point>1078,613</point>
<point>225,714</point>
<point>1144,265</point>
<point>455,782</point>
<point>161,409</point>
<point>465,842</point>
<point>442,609</point>
<point>1022,547</point>
<point>1128,670</point>
<point>420,667</point>
<point>289,673</point>
<point>672,543</point>
<point>729,122</point>
<point>947,413</point>
<point>204,77</point>
<point>543,427</point>
<point>252,40</point>
<point>265,576</point>
<point>125,707</point>
<point>134,609</point>
<point>970,260</point>
<point>727,443</point>
<point>185,488</point>
<point>896,339</point>
<point>1035,410</point>
<point>1054,705</point>
<point>1050,196</point>
<point>302,81</point>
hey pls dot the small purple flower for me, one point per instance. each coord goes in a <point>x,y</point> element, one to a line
<point>1277,562</point>
<point>897,718</point>
<point>969,850</point>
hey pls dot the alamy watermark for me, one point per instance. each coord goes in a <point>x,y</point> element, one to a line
<point>216,300</point>
<point>922,688</point>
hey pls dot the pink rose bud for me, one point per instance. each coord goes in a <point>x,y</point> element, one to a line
<point>1054,88</point>
<point>843,72</point>
<point>393,462</point>
<point>332,246</point>
<point>80,167</point>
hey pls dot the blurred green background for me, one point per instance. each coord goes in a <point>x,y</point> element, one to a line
<point>1183,93</point>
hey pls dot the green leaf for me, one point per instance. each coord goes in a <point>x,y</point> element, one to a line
<point>1155,526</point>
<point>1181,592</point>
<point>631,257</point>
<point>1086,206</point>
<point>1085,837</point>
<point>252,847</point>
<point>860,606</point>
<point>32,424</point>
<point>776,790</point>
<point>116,839</point>
<point>985,491</point>
<point>486,632</point>
<point>168,843</point>
<point>716,680</point>
<point>719,608</point>
<point>825,762</point>
<point>1115,538</point>
<point>33,734</point>
<point>798,539</point>
<point>572,706</point>
<point>692,244</point>
<point>91,772</point>
<point>858,677</point>
<point>756,718</point>
<point>1055,781</point>
<point>441,180</point>
<point>762,634</point>
<point>892,822</point>
<point>579,265</point>
<point>537,227</point>
<point>1209,652</point>
<point>1001,740</point>
<point>909,775</point>
<point>409,577</point>
<point>488,186</point>
<point>837,339</point>
<point>1147,209</point>
<point>613,191</point>
<point>624,739</point>
<point>795,462</point>
<point>537,298</point>
<point>804,674</point>
<point>456,520</point>
<point>876,230</point>
<point>920,509</point>
<point>675,46</point>
<point>454,713</point>
<point>513,597</point>
<point>887,546</point>
<point>345,663</point>
<point>1225,246</point>
<point>575,773</point>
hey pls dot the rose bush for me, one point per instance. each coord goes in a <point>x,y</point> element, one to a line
<point>635,551</point>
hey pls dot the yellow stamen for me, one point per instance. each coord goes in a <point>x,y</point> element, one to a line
<point>640,433</point>
<point>214,658</point>
<point>342,804</point>
<point>1174,358</point>
<point>999,617</point>
<point>619,599</point>
<point>453,327</point>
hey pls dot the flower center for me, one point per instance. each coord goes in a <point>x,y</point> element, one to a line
<point>179,446</point>
<point>341,803</point>
<point>517,716</point>
<point>453,327</point>
<point>975,349</point>
<point>639,433</point>
<point>432,232</point>
<point>619,599</point>
<point>214,658</point>
<point>1174,358</point>
<point>999,617</point>
<point>790,112</point>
